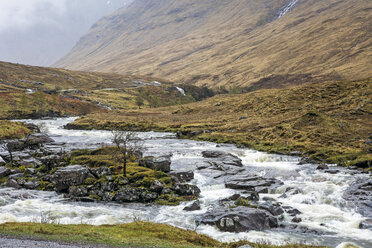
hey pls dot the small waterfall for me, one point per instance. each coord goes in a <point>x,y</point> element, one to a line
<point>288,7</point>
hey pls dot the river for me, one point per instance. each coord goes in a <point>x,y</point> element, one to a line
<point>318,194</point>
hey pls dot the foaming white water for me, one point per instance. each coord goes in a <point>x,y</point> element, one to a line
<point>318,195</point>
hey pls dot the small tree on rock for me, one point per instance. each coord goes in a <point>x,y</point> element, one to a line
<point>128,143</point>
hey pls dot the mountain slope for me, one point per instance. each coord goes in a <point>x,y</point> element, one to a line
<point>33,92</point>
<point>230,41</point>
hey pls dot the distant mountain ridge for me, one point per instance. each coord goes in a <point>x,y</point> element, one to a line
<point>230,42</point>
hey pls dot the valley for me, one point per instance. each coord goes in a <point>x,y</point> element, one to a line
<point>174,123</point>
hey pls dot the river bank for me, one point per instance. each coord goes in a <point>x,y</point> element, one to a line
<point>301,187</point>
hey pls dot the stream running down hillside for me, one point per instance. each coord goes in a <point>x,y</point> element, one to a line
<point>327,218</point>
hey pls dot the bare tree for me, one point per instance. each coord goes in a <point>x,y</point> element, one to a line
<point>127,143</point>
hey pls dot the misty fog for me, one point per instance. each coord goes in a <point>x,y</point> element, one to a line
<point>39,32</point>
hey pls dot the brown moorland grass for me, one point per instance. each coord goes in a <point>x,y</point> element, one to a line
<point>326,121</point>
<point>63,92</point>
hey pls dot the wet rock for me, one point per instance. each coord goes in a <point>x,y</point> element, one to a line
<point>16,176</point>
<point>4,172</point>
<point>2,161</point>
<point>366,224</point>
<point>186,189</point>
<point>193,206</point>
<point>51,161</point>
<point>148,196</point>
<point>72,175</point>
<point>76,192</point>
<point>36,139</point>
<point>332,171</point>
<point>258,184</point>
<point>100,171</point>
<point>32,127</point>
<point>274,208</point>
<point>302,229</point>
<point>360,194</point>
<point>16,145</point>
<point>30,161</point>
<point>226,158</point>
<point>31,185</point>
<point>12,183</point>
<point>291,211</point>
<point>128,195</point>
<point>296,220</point>
<point>322,167</point>
<point>295,153</point>
<point>156,186</point>
<point>161,163</point>
<point>182,176</point>
<point>239,219</point>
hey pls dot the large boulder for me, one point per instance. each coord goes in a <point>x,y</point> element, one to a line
<point>239,219</point>
<point>193,206</point>
<point>255,183</point>
<point>128,194</point>
<point>160,163</point>
<point>360,194</point>
<point>223,157</point>
<point>4,172</point>
<point>37,139</point>
<point>72,175</point>
<point>186,189</point>
<point>182,176</point>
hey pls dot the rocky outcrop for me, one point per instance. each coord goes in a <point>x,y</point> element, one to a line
<point>239,219</point>
<point>223,157</point>
<point>4,172</point>
<point>360,194</point>
<point>72,175</point>
<point>160,163</point>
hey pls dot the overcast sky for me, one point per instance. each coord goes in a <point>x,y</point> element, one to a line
<point>39,32</point>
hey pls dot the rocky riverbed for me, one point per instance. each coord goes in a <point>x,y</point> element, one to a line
<point>226,192</point>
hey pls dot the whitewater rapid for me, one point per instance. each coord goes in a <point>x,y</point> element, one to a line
<point>317,194</point>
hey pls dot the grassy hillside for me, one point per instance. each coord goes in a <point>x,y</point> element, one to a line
<point>231,42</point>
<point>138,234</point>
<point>326,121</point>
<point>32,92</point>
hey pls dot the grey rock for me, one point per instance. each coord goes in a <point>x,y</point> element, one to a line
<point>51,161</point>
<point>322,167</point>
<point>258,184</point>
<point>360,194</point>
<point>161,163</point>
<point>37,139</point>
<point>239,219</point>
<point>274,208</point>
<point>193,206</point>
<point>13,184</point>
<point>156,186</point>
<point>182,176</point>
<point>4,172</point>
<point>72,175</point>
<point>2,161</point>
<point>76,192</point>
<point>366,224</point>
<point>100,171</point>
<point>31,185</point>
<point>186,189</point>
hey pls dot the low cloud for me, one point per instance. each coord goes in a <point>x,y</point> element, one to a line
<point>39,32</point>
